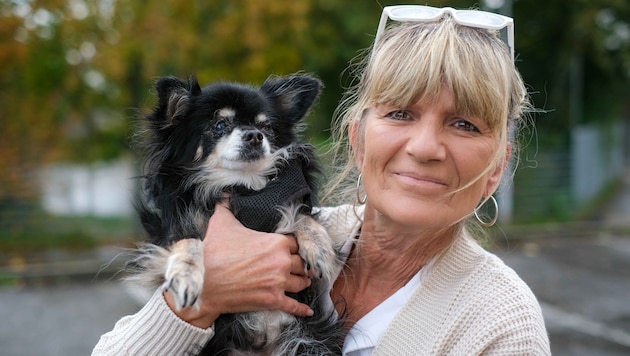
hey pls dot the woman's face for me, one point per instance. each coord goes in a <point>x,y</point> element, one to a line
<point>413,158</point>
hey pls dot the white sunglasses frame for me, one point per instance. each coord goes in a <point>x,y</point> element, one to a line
<point>503,21</point>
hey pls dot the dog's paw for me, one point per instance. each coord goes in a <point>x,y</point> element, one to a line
<point>316,249</point>
<point>184,273</point>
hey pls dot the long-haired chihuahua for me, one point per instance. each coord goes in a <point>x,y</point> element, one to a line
<point>227,139</point>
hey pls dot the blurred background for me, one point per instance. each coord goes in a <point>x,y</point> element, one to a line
<point>74,75</point>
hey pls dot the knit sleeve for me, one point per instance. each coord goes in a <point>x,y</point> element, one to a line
<point>505,319</point>
<point>154,330</point>
<point>341,222</point>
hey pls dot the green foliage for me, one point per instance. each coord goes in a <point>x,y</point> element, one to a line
<point>575,55</point>
<point>73,71</point>
<point>34,241</point>
<point>28,230</point>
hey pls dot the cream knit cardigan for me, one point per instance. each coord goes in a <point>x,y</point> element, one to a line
<point>470,303</point>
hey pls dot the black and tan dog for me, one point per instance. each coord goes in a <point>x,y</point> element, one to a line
<point>228,139</point>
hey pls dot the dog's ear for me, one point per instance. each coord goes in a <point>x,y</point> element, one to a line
<point>173,96</point>
<point>292,96</point>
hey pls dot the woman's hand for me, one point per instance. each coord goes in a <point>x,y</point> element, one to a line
<point>245,271</point>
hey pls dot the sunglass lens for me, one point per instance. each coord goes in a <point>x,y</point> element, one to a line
<point>415,12</point>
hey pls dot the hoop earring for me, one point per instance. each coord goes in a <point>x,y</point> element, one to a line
<point>496,212</point>
<point>360,199</point>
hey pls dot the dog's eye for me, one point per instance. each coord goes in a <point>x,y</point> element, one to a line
<point>265,126</point>
<point>219,126</point>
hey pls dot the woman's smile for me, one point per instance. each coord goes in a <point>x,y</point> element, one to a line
<point>420,183</point>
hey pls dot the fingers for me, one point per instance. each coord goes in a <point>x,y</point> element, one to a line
<point>296,283</point>
<point>293,245</point>
<point>297,265</point>
<point>296,308</point>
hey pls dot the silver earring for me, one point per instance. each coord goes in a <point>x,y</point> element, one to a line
<point>496,212</point>
<point>360,199</point>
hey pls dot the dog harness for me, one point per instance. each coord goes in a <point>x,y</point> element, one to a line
<point>258,210</point>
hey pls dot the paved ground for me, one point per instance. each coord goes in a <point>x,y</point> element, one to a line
<point>64,303</point>
<point>63,319</point>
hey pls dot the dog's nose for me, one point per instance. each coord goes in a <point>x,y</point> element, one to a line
<point>253,137</point>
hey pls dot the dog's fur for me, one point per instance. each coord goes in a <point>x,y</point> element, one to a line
<point>201,144</point>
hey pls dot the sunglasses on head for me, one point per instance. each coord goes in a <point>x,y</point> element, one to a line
<point>470,18</point>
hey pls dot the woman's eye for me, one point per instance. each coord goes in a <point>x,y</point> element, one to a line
<point>466,126</point>
<point>398,115</point>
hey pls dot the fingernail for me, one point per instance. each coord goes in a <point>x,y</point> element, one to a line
<point>310,312</point>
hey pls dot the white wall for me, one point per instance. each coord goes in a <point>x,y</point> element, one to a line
<point>99,189</point>
<point>597,158</point>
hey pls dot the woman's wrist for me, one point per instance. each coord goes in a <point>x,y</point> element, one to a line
<point>198,317</point>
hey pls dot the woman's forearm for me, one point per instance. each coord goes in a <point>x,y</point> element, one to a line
<point>154,330</point>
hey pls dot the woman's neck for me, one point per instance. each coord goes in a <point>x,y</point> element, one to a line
<point>383,260</point>
<point>395,256</point>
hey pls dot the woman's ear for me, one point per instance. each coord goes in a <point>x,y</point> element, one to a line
<point>495,178</point>
<point>356,143</point>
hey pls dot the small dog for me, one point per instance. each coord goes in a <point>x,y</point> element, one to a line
<point>228,139</point>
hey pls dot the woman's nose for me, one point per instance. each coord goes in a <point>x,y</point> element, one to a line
<point>426,141</point>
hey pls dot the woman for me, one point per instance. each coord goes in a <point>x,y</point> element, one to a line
<point>426,129</point>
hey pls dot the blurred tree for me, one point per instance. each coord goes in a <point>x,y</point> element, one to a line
<point>576,57</point>
<point>75,72</point>
<point>32,71</point>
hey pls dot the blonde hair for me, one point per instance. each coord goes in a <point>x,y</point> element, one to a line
<point>414,61</point>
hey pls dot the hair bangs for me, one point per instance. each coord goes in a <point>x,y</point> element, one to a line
<point>441,57</point>
<point>404,80</point>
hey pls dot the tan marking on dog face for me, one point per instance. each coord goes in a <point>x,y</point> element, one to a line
<point>260,118</point>
<point>199,153</point>
<point>226,113</point>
